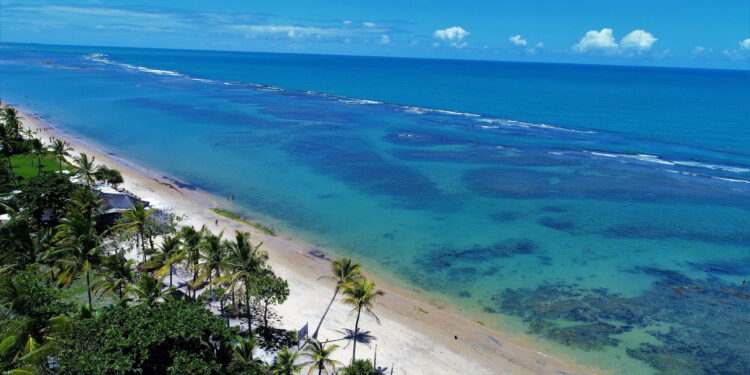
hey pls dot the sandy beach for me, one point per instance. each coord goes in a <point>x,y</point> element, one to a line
<point>440,341</point>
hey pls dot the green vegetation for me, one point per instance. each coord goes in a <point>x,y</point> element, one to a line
<point>235,217</point>
<point>27,166</point>
<point>168,338</point>
<point>359,367</point>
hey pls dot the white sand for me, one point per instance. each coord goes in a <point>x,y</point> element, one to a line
<point>413,342</point>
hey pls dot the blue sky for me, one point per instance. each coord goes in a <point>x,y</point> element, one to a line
<point>696,33</point>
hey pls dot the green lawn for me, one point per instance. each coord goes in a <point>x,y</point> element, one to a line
<point>76,293</point>
<point>25,165</point>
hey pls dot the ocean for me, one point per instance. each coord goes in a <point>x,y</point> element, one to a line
<point>602,210</point>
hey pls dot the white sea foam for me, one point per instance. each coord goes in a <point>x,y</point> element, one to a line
<point>522,124</point>
<point>358,101</point>
<point>659,160</point>
<point>103,58</point>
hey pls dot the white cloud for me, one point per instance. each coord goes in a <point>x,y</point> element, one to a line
<point>540,45</point>
<point>291,32</point>
<point>369,24</point>
<point>597,40</point>
<point>518,40</point>
<point>454,36</point>
<point>414,42</point>
<point>603,41</point>
<point>347,22</point>
<point>745,44</point>
<point>698,50</point>
<point>638,40</point>
<point>384,39</point>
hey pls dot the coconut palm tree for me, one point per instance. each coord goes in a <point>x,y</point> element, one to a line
<point>243,349</point>
<point>284,364</point>
<point>169,254</point>
<point>87,200</point>
<point>361,295</point>
<point>38,149</point>
<point>119,274</point>
<point>85,168</point>
<point>243,262</point>
<point>319,356</point>
<point>80,247</point>
<point>149,291</point>
<point>61,150</point>
<point>212,253</point>
<point>344,272</point>
<point>137,218</point>
<point>191,250</point>
<point>12,122</point>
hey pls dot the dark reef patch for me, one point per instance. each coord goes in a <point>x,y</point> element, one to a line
<point>444,258</point>
<point>419,139</point>
<point>557,224</point>
<point>555,209</point>
<point>701,326</point>
<point>353,161</point>
<point>626,183</point>
<point>736,267</point>
<point>475,154</point>
<point>660,232</point>
<point>505,216</point>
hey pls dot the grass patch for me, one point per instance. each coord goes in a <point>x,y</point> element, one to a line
<point>421,310</point>
<point>76,293</point>
<point>26,165</point>
<point>235,217</point>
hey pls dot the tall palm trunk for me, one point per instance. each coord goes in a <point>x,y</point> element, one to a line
<point>59,162</point>
<point>249,312</point>
<point>356,330</point>
<point>265,315</point>
<point>143,245</point>
<point>170,275</point>
<point>320,323</point>
<point>88,290</point>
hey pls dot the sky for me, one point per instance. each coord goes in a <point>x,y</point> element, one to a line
<point>685,33</point>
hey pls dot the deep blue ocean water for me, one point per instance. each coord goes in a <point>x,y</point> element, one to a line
<point>602,209</point>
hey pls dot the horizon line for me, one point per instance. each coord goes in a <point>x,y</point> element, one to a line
<point>388,57</point>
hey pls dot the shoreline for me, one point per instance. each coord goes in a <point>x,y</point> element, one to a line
<point>416,342</point>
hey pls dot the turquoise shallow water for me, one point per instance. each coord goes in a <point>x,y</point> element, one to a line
<point>602,209</point>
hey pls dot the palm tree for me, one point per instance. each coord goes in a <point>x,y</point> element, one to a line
<point>345,272</point>
<point>243,262</point>
<point>149,290</point>
<point>243,350</point>
<point>60,149</point>
<point>169,255</point>
<point>191,246</point>
<point>85,168</point>
<point>361,295</point>
<point>119,275</point>
<point>320,357</point>
<point>87,201</point>
<point>137,218</point>
<point>284,364</point>
<point>80,246</point>
<point>212,251</point>
<point>12,122</point>
<point>38,149</point>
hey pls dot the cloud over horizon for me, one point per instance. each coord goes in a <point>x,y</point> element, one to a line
<point>454,36</point>
<point>603,41</point>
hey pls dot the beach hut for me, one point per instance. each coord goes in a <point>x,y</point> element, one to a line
<point>114,202</point>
